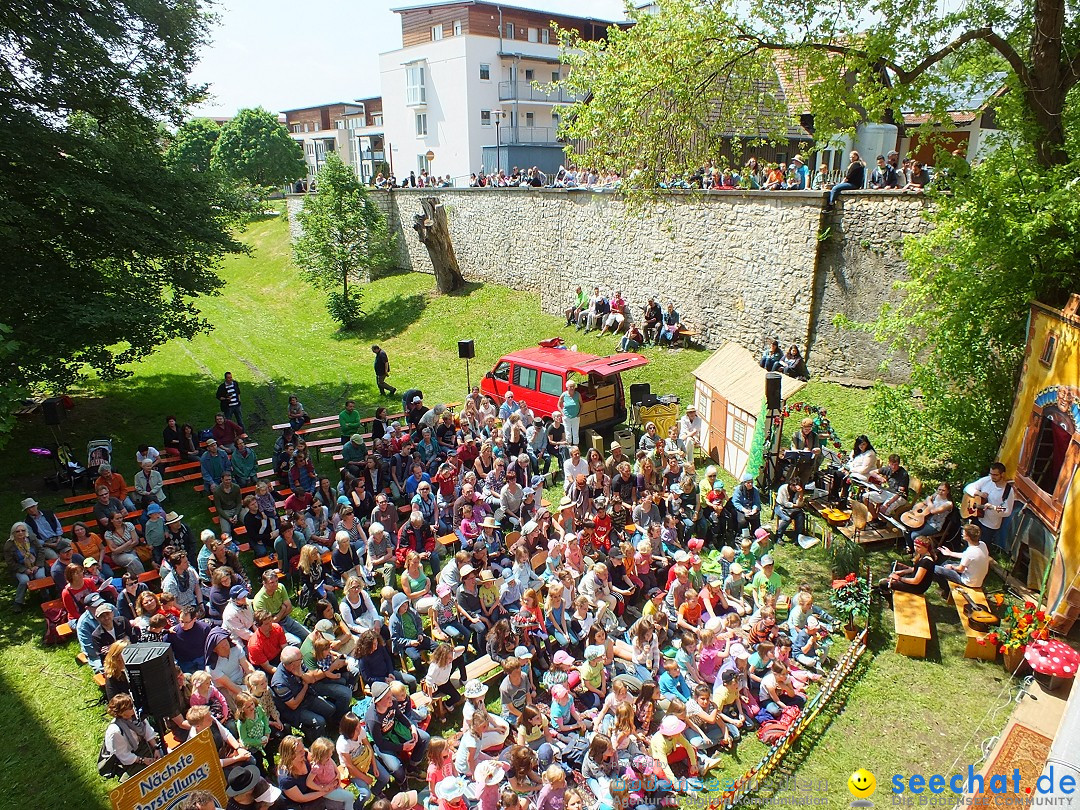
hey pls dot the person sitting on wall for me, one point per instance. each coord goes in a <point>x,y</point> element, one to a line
<point>669,327</point>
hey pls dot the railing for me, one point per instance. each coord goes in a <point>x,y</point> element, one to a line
<point>526,135</point>
<point>525,91</point>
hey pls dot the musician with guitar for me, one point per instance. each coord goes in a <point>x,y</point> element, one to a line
<point>789,509</point>
<point>807,453</point>
<point>916,578</point>
<point>990,501</point>
<point>927,517</point>
<point>893,480</point>
<point>974,562</point>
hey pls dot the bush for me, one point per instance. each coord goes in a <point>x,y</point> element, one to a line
<point>346,311</point>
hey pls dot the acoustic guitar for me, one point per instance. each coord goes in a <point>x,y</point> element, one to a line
<point>975,506</point>
<point>979,616</point>
<point>915,518</point>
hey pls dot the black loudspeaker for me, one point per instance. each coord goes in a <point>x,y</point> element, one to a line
<point>772,390</point>
<point>466,349</point>
<point>151,672</point>
<point>53,410</point>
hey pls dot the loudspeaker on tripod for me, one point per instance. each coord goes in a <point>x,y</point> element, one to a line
<point>772,390</point>
<point>466,349</point>
<point>151,671</point>
<point>53,410</point>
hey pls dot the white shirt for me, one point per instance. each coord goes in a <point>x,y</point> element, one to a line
<point>239,621</point>
<point>571,470</point>
<point>995,496</point>
<point>692,428</point>
<point>151,454</point>
<point>363,615</point>
<point>976,562</point>
<point>120,746</point>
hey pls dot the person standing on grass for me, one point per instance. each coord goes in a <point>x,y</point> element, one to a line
<point>382,371</point>
<point>349,421</point>
<point>228,394</point>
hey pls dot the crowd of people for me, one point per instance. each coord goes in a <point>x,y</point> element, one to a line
<point>640,622</point>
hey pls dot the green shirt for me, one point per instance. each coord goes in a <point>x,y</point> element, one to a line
<point>350,452</point>
<point>408,625</point>
<point>769,585</point>
<point>350,422</point>
<point>271,604</point>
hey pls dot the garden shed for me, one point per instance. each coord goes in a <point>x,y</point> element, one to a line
<point>729,391</point>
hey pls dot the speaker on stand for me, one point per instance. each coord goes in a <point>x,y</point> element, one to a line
<point>466,350</point>
<point>774,414</point>
<point>151,672</point>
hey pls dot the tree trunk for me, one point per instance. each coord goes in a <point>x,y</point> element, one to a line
<point>1049,82</point>
<point>434,233</point>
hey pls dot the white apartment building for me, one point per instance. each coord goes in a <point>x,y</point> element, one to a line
<point>462,82</point>
<point>354,130</point>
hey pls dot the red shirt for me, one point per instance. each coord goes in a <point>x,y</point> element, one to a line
<point>299,502</point>
<point>263,649</point>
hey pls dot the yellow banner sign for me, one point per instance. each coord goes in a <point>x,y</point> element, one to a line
<point>164,784</point>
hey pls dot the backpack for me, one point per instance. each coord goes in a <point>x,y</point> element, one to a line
<point>771,731</point>
<point>54,617</point>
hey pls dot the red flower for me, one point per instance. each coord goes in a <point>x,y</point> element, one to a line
<point>1002,649</point>
<point>1029,605</point>
<point>1041,616</point>
<point>849,578</point>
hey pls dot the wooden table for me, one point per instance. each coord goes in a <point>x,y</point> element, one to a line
<point>912,624</point>
<point>985,652</point>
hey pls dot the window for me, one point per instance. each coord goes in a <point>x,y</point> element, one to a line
<point>339,124</point>
<point>1051,445</point>
<point>1047,356</point>
<point>738,432</point>
<point>534,35</point>
<point>545,35</point>
<point>525,377</point>
<point>296,128</point>
<point>555,120</point>
<point>457,28</point>
<point>421,125</point>
<point>436,32</point>
<point>554,75</point>
<point>530,119</point>
<point>415,91</point>
<point>485,73</point>
<point>529,75</point>
<point>502,371</point>
<point>376,120</point>
<point>485,118</point>
<point>550,383</point>
<point>422,164</point>
<point>509,30</point>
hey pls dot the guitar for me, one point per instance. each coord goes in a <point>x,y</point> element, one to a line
<point>975,506</point>
<point>916,517</point>
<point>979,616</point>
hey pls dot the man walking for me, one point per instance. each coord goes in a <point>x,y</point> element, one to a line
<point>228,394</point>
<point>382,371</point>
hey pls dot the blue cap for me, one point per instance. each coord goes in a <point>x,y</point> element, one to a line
<point>154,509</point>
<point>239,592</point>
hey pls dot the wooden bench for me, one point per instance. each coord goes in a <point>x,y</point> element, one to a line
<point>319,420</point>
<point>986,652</point>
<point>41,584</point>
<point>687,335</point>
<point>912,624</point>
<point>129,517</point>
<point>482,669</point>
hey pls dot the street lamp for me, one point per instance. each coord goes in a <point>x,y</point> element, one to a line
<point>497,115</point>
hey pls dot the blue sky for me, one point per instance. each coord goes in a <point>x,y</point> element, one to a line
<point>283,55</point>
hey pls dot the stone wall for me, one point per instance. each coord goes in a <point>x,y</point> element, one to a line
<point>740,266</point>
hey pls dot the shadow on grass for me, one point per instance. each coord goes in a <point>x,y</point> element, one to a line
<point>387,319</point>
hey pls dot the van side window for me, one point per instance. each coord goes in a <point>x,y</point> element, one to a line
<point>550,383</point>
<point>525,377</point>
<point>502,371</point>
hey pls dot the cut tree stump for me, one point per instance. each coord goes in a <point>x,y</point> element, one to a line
<point>434,233</point>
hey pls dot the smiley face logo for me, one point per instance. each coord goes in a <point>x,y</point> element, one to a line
<point>862,784</point>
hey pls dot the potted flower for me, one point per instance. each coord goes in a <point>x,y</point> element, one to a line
<point>1019,627</point>
<point>851,598</point>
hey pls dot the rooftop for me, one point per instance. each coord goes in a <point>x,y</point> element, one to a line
<point>438,3</point>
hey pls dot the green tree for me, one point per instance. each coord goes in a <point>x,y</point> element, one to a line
<point>193,144</point>
<point>106,246</point>
<point>345,236</point>
<point>663,92</point>
<point>256,149</point>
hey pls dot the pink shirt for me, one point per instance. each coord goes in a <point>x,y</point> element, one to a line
<point>324,774</point>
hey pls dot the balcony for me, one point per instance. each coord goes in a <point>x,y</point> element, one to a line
<point>527,136</point>
<point>525,91</point>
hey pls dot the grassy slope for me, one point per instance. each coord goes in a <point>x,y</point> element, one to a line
<point>274,334</point>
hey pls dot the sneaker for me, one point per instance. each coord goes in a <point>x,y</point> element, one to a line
<point>708,762</point>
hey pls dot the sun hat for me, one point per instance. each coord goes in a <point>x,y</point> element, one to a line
<point>735,569</point>
<point>565,503</point>
<point>242,779</point>
<point>559,692</point>
<point>379,690</point>
<point>172,517</point>
<point>594,651</point>
<point>466,569</point>
<point>452,788</point>
<point>747,477</point>
<point>489,772</point>
<point>325,628</point>
<point>154,509</point>
<point>691,407</point>
<point>718,485</point>
<point>489,523</point>
<point>528,491</point>
<point>523,653</point>
<point>737,650</point>
<point>405,800</point>
<point>681,556</point>
<point>475,689</point>
<point>530,526</point>
<point>443,590</point>
<point>672,726</point>
<point>563,657</point>
<point>762,533</point>
<point>766,560</point>
<point>614,445</point>
<point>28,502</point>
<point>695,544</point>
<point>487,576</point>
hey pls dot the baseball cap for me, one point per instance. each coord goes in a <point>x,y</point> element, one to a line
<point>443,590</point>
<point>416,399</point>
<point>239,592</point>
<point>563,657</point>
<point>325,628</point>
<point>523,653</point>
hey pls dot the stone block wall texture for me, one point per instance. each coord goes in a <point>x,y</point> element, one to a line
<point>741,266</point>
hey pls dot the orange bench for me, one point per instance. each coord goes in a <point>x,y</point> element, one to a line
<point>64,630</point>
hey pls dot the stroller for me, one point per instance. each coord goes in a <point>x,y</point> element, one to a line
<point>68,472</point>
<point>98,452</point>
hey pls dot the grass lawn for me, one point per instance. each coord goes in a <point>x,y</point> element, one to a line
<point>273,333</point>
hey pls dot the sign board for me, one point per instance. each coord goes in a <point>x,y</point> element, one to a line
<point>164,784</point>
<point>430,156</point>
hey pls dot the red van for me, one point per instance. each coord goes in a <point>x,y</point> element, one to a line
<point>538,376</point>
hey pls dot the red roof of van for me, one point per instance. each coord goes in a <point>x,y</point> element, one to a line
<point>578,362</point>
